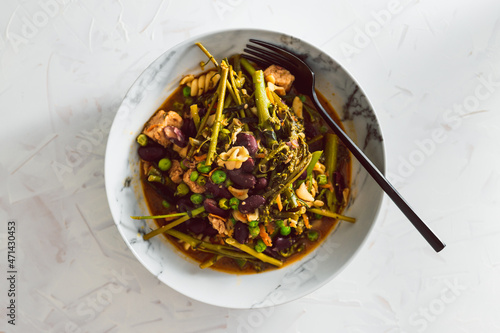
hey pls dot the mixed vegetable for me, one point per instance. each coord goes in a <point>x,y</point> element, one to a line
<point>247,174</point>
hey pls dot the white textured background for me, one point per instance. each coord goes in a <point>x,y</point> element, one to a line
<point>432,72</point>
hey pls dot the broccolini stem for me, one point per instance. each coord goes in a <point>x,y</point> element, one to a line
<point>327,213</point>
<point>247,66</point>
<point>263,104</point>
<point>331,148</point>
<point>218,115</point>
<point>249,250</point>
<point>169,226</point>
<point>209,55</point>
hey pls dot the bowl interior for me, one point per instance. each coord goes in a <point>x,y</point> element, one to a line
<point>125,195</point>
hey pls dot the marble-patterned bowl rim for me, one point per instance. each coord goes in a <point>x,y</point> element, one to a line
<point>284,286</point>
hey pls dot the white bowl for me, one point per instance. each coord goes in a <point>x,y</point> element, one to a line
<point>275,287</point>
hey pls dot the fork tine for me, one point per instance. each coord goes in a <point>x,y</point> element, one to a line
<point>258,61</point>
<point>297,62</point>
<point>272,57</point>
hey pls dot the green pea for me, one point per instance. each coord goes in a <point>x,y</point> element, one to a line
<point>164,164</point>
<point>186,91</point>
<point>201,167</point>
<point>142,139</point>
<point>234,203</point>
<point>312,235</point>
<point>165,204</point>
<point>322,179</point>
<point>279,223</point>
<point>182,190</point>
<point>253,223</point>
<point>194,176</point>
<point>196,198</point>
<point>302,98</point>
<point>218,176</point>
<point>202,180</point>
<point>224,203</point>
<point>285,230</point>
<point>254,231</point>
<point>260,246</point>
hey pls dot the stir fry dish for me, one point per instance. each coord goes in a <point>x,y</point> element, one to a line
<point>238,169</point>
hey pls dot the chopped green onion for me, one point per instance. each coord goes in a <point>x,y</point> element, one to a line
<point>322,179</point>
<point>142,139</point>
<point>202,180</point>
<point>224,203</point>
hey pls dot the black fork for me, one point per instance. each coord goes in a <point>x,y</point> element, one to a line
<point>264,53</point>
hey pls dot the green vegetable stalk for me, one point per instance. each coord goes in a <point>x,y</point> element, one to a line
<point>169,226</point>
<point>331,148</point>
<point>249,250</point>
<point>263,104</point>
<point>247,66</point>
<point>218,115</point>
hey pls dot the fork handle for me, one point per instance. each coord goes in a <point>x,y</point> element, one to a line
<point>417,222</point>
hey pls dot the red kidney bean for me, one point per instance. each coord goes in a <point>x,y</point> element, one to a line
<point>241,232</point>
<point>196,225</point>
<point>248,165</point>
<point>212,208</point>
<point>261,184</point>
<point>248,141</point>
<point>151,154</point>
<point>218,191</point>
<point>241,178</point>
<point>251,203</point>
